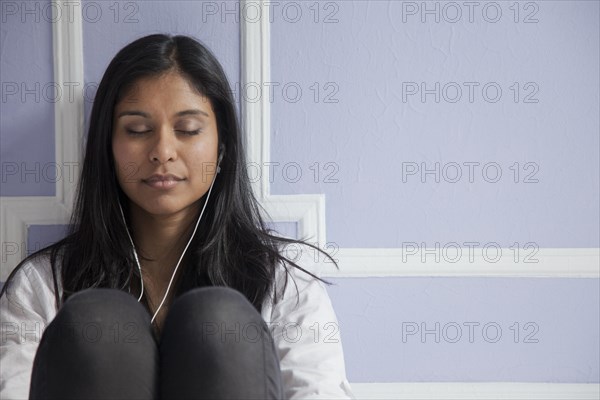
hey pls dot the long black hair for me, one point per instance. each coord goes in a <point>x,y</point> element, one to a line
<point>233,246</point>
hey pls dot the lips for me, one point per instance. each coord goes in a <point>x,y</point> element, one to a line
<point>158,181</point>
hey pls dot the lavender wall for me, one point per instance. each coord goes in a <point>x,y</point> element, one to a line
<point>349,104</point>
<point>40,236</point>
<point>27,101</point>
<point>355,74</point>
<point>357,127</point>
<point>469,329</point>
<point>103,37</point>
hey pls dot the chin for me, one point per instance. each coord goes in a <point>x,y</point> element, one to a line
<point>163,205</point>
<point>162,209</point>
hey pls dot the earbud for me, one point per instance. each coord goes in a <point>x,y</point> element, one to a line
<point>221,153</point>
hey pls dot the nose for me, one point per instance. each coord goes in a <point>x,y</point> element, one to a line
<point>164,147</point>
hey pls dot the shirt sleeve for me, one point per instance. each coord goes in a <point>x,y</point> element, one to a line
<point>307,338</point>
<point>25,309</point>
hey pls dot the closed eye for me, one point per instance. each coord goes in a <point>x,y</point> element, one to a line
<point>132,132</point>
<point>191,133</point>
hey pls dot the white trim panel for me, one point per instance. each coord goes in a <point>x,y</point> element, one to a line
<point>18,213</point>
<point>478,391</point>
<point>67,39</point>
<point>255,65</point>
<point>307,210</point>
<point>551,263</point>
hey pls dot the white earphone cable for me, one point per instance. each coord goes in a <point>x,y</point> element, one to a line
<point>134,252</point>
<point>186,247</point>
<point>182,254</point>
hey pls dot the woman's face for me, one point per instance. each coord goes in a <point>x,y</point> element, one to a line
<point>165,144</point>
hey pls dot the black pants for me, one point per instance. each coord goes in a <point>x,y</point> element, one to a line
<point>214,345</point>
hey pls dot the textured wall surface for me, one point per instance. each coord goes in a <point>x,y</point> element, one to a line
<point>365,118</point>
<point>27,105</point>
<point>469,329</point>
<point>436,123</point>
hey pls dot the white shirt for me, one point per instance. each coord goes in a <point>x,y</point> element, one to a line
<point>306,335</point>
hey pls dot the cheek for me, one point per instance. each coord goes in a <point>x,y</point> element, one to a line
<point>201,162</point>
<point>126,165</point>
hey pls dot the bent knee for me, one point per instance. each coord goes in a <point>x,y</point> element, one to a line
<point>212,305</point>
<point>100,320</point>
<point>103,305</point>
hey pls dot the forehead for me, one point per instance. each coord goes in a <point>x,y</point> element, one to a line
<point>170,90</point>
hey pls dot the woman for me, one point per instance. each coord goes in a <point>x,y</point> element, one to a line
<point>165,215</point>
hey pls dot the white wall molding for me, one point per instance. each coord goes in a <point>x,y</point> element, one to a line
<point>551,263</point>
<point>67,40</point>
<point>307,210</point>
<point>255,69</point>
<point>479,391</point>
<point>18,213</point>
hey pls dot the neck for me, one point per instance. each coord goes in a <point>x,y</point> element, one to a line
<point>160,240</point>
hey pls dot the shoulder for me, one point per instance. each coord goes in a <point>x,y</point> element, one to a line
<point>31,289</point>
<point>294,287</point>
<point>35,271</point>
<point>305,330</point>
<point>27,306</point>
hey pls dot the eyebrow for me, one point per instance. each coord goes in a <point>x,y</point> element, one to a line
<point>179,114</point>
